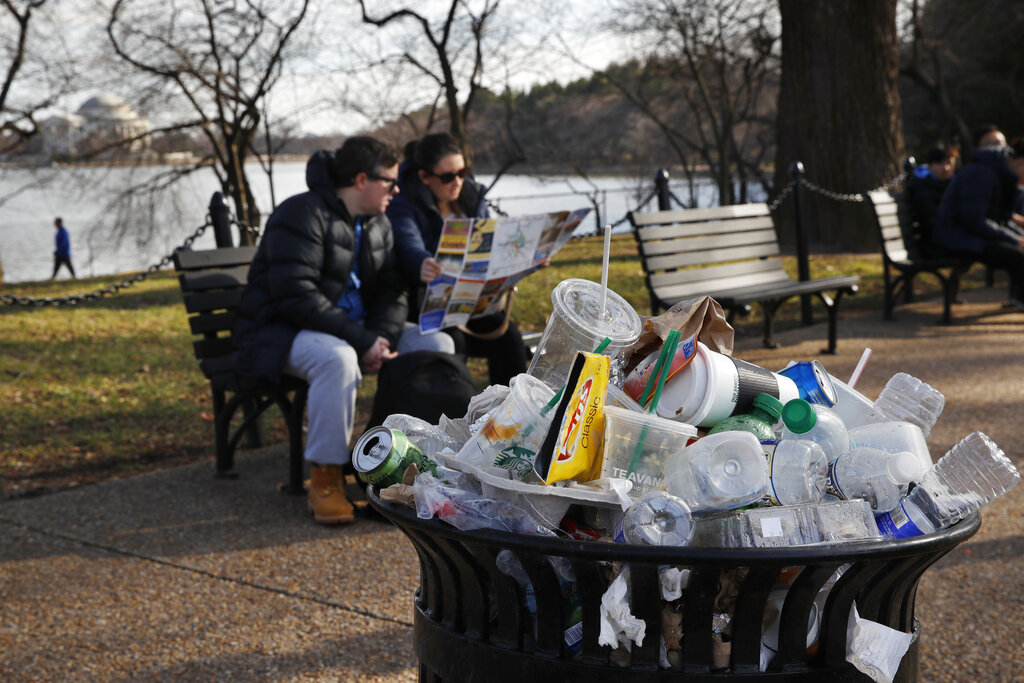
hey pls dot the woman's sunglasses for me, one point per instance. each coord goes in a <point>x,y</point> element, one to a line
<point>449,177</point>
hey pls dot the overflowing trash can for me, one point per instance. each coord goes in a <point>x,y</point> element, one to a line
<point>473,622</point>
<point>642,505</point>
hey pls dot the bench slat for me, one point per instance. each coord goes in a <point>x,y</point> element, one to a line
<point>226,257</point>
<point>202,280</point>
<point>765,270</point>
<point>213,347</point>
<point>202,302</point>
<point>689,215</point>
<point>693,229</point>
<point>703,257</point>
<point>208,323</point>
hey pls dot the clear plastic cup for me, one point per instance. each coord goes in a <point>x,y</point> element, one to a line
<point>636,446</point>
<point>514,432</point>
<point>577,323</point>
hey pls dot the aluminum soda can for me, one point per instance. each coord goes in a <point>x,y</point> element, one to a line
<point>381,456</point>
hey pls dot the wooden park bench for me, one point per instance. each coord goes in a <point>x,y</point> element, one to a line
<point>212,282</point>
<point>903,258</point>
<point>731,254</point>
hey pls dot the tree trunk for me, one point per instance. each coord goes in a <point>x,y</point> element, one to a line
<point>839,113</point>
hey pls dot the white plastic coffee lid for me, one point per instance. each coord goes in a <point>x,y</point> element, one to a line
<point>579,303</point>
<point>536,393</point>
<point>903,467</point>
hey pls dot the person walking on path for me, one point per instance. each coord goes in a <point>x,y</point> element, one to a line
<point>62,253</point>
<point>325,302</point>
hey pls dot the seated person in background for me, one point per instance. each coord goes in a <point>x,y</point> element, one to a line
<point>325,302</point>
<point>1018,207</point>
<point>924,190</point>
<point>988,137</point>
<point>435,185</point>
<point>974,217</point>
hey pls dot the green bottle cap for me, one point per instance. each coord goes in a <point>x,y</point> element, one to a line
<point>799,416</point>
<point>770,405</point>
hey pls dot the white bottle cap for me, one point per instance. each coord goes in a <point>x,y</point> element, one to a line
<point>904,467</point>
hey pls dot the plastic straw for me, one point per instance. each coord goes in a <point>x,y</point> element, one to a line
<point>558,395</point>
<point>860,367</point>
<point>604,271</point>
<point>658,377</point>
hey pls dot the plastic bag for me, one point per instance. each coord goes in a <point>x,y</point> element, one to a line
<point>467,509</point>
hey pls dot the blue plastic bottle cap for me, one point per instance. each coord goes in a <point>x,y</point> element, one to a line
<point>799,416</point>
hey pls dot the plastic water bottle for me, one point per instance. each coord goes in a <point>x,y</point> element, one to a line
<point>817,423</point>
<point>908,399</point>
<point>878,477</point>
<point>760,421</point>
<point>893,437</point>
<point>797,472</point>
<point>972,474</point>
<point>719,471</point>
<point>658,518</point>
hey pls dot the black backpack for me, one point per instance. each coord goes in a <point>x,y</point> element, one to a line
<point>424,384</point>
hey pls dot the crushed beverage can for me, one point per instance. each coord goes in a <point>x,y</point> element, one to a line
<point>382,455</point>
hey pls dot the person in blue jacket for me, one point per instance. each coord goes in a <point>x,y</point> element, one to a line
<point>62,252</point>
<point>435,185</point>
<point>325,301</point>
<point>975,216</point>
<point>925,188</point>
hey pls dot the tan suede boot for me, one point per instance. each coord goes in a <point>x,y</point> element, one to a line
<point>327,499</point>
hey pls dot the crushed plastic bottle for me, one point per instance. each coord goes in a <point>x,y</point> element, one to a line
<point>797,472</point>
<point>880,478</point>
<point>658,518</point>
<point>718,472</point>
<point>907,399</point>
<point>970,475</point>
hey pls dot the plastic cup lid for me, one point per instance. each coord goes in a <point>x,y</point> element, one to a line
<point>578,302</point>
<point>531,393</point>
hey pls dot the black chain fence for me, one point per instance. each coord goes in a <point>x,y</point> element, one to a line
<point>73,299</point>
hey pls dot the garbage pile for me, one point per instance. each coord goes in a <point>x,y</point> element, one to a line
<point>651,432</point>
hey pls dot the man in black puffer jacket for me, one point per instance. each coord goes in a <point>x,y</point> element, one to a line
<point>975,214</point>
<point>308,310</point>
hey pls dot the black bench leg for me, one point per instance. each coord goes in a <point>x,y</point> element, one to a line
<point>769,309</point>
<point>950,287</point>
<point>254,432</point>
<point>296,461</point>
<point>225,454</point>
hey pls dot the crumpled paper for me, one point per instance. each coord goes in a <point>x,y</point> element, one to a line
<point>702,318</point>
<point>618,625</point>
<point>673,581</point>
<point>875,649</point>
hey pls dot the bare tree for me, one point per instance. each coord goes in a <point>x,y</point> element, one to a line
<point>35,74</point>
<point>454,63</point>
<point>709,72</point>
<point>222,59</point>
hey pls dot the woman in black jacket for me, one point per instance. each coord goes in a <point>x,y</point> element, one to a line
<point>325,301</point>
<point>436,185</point>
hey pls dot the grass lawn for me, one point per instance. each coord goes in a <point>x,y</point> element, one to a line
<point>110,387</point>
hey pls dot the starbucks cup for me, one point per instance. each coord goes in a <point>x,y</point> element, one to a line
<point>514,431</point>
<point>714,386</point>
<point>577,323</point>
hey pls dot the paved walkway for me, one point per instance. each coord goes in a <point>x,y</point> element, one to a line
<point>176,576</point>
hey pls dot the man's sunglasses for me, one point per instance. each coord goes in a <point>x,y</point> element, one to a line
<point>449,177</point>
<point>390,182</point>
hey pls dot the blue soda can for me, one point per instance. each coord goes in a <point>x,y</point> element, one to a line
<point>813,382</point>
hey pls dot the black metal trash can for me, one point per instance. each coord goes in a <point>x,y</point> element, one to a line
<point>472,623</point>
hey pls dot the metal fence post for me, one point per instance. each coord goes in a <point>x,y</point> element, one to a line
<point>220,216</point>
<point>803,268</point>
<point>661,184</point>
